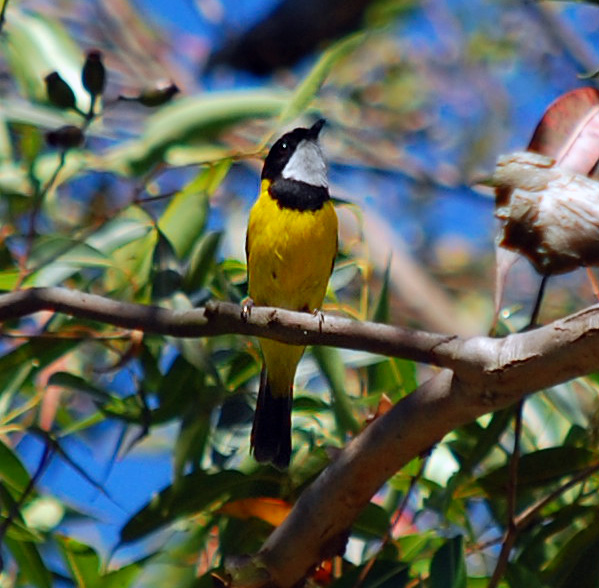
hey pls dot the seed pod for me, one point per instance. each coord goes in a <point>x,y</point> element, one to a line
<point>153,96</point>
<point>93,74</point>
<point>59,92</point>
<point>547,213</point>
<point>66,137</point>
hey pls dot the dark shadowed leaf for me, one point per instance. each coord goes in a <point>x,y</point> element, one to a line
<point>540,468</point>
<point>576,565</point>
<point>518,575</point>
<point>193,494</point>
<point>381,306</point>
<point>383,574</point>
<point>448,568</point>
<point>202,261</point>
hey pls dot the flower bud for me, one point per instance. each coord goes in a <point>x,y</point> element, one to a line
<point>153,96</point>
<point>66,137</point>
<point>58,91</point>
<point>93,74</point>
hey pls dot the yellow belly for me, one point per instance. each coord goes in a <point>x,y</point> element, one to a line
<point>290,254</point>
<point>290,257</point>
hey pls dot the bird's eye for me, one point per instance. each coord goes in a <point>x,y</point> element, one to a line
<point>284,145</point>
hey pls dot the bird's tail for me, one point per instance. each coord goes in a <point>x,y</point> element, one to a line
<point>271,431</point>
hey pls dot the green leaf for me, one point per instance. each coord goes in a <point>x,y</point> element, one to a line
<point>125,576</point>
<point>539,544</point>
<point>13,385</point>
<point>30,563</point>
<point>12,472</point>
<point>330,363</point>
<point>23,361</point>
<point>130,226</point>
<point>132,261</point>
<point>373,521</point>
<point>448,567</point>
<point>540,468</point>
<point>192,494</point>
<point>166,279</point>
<point>184,219</point>
<point>9,279</point>
<point>518,575</point>
<point>20,532</point>
<point>82,560</point>
<point>37,45</point>
<point>202,261</point>
<point>383,574</point>
<point>79,384</point>
<point>180,386</point>
<point>191,124</point>
<point>381,309</point>
<point>58,258</point>
<point>577,562</point>
<point>307,90</point>
<point>415,545</point>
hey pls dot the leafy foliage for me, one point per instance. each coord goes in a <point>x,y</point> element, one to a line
<point>137,217</point>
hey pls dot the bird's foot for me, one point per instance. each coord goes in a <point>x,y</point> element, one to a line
<point>246,308</point>
<point>320,315</point>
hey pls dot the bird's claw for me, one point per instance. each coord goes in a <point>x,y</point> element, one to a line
<point>320,315</point>
<point>246,308</point>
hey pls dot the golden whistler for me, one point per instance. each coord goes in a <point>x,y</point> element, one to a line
<point>291,245</point>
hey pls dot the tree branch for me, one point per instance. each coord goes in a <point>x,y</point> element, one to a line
<point>501,370</point>
<point>484,375</point>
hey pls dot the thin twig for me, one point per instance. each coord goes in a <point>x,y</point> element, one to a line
<point>396,518</point>
<point>512,529</point>
<point>529,514</point>
<point>37,205</point>
<point>537,307</point>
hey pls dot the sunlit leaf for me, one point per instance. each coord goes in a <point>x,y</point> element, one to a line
<point>82,560</point>
<point>12,471</point>
<point>306,91</point>
<point>272,510</point>
<point>191,121</point>
<point>38,45</point>
<point>184,219</point>
<point>31,565</point>
<point>332,366</point>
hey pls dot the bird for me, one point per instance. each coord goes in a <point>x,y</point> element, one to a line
<point>291,245</point>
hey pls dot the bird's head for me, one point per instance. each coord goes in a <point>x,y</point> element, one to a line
<point>297,156</point>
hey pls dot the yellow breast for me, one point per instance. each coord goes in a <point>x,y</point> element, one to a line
<point>290,253</point>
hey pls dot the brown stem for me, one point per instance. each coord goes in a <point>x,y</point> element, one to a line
<point>512,529</point>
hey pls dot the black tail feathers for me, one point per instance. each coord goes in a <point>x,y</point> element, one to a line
<point>271,431</point>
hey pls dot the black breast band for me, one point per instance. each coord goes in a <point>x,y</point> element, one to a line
<point>298,195</point>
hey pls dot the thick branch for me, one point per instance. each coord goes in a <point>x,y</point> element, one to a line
<point>502,369</point>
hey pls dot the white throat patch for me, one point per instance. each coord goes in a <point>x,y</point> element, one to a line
<point>307,165</point>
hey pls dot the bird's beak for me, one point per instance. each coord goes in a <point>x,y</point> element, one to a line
<point>315,129</point>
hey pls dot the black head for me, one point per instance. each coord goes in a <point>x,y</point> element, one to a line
<point>281,152</point>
